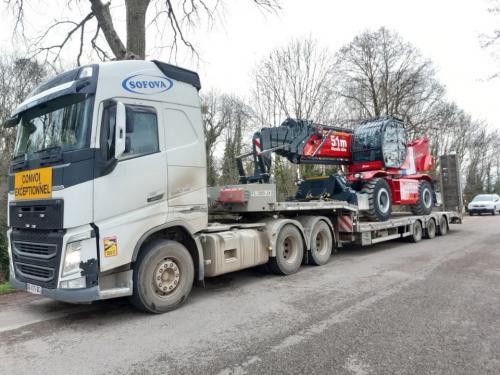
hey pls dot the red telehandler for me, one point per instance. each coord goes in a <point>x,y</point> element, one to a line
<point>380,163</point>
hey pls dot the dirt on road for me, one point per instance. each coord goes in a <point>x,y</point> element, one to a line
<point>426,308</point>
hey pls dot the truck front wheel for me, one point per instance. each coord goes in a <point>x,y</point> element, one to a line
<point>163,277</point>
<point>289,251</point>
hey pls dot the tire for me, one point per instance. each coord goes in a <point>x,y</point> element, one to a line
<point>430,231</point>
<point>424,201</point>
<point>289,251</point>
<point>494,212</point>
<point>162,265</point>
<point>417,232</point>
<point>321,244</point>
<point>442,230</point>
<point>379,199</point>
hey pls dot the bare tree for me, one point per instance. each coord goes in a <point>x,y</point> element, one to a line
<point>492,40</point>
<point>294,81</point>
<point>104,39</point>
<point>380,74</point>
<point>18,76</point>
<point>240,115</point>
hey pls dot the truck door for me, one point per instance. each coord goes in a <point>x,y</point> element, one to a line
<point>130,194</point>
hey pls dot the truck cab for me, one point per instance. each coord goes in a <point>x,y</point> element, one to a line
<point>106,156</point>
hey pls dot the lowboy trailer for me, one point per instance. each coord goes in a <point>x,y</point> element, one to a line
<point>108,196</point>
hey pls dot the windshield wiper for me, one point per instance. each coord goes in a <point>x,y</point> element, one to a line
<point>20,156</point>
<point>50,148</point>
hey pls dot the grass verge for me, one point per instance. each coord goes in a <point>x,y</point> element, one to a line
<point>5,288</point>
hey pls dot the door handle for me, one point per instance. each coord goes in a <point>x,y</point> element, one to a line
<point>156,197</point>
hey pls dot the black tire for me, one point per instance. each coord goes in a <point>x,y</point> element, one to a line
<point>494,212</point>
<point>425,200</point>
<point>417,232</point>
<point>430,231</point>
<point>379,199</point>
<point>151,279</point>
<point>289,251</point>
<point>442,230</point>
<point>321,244</point>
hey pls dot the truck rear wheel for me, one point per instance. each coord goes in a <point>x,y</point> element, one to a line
<point>425,200</point>
<point>379,199</point>
<point>321,244</point>
<point>443,226</point>
<point>417,232</point>
<point>289,251</point>
<point>163,277</point>
<point>430,231</point>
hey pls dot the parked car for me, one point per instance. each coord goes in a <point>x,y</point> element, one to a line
<point>489,203</point>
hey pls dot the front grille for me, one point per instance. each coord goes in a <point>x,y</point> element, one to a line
<point>36,256</point>
<point>35,250</point>
<point>35,272</point>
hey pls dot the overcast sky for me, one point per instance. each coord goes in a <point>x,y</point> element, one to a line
<point>447,31</point>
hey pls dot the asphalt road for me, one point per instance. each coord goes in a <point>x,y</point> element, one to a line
<point>394,308</point>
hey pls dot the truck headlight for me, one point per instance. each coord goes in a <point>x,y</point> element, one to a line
<point>72,258</point>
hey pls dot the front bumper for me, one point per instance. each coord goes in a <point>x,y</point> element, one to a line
<point>64,295</point>
<point>480,210</point>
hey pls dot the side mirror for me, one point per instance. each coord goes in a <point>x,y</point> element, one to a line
<point>121,119</point>
<point>11,122</point>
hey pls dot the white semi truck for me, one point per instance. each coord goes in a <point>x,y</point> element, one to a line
<point>108,196</point>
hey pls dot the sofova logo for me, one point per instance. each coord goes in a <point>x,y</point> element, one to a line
<point>146,84</point>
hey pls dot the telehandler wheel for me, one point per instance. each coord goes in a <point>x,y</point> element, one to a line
<point>321,244</point>
<point>289,251</point>
<point>163,276</point>
<point>417,232</point>
<point>430,231</point>
<point>442,230</point>
<point>379,199</point>
<point>425,200</point>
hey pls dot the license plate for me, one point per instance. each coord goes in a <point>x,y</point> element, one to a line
<point>34,289</point>
<point>33,184</point>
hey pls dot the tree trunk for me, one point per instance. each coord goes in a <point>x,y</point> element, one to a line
<point>105,22</point>
<point>136,28</point>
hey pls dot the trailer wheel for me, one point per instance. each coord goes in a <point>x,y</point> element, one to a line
<point>289,251</point>
<point>424,201</point>
<point>443,226</point>
<point>430,231</point>
<point>417,232</point>
<point>379,199</point>
<point>163,277</point>
<point>321,244</point>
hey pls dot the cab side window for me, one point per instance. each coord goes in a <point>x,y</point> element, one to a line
<point>141,131</point>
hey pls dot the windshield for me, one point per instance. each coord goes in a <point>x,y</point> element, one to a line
<point>483,198</point>
<point>59,124</point>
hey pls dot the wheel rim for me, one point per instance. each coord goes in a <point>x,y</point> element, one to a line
<point>166,277</point>
<point>427,198</point>
<point>321,243</point>
<point>290,249</point>
<point>383,200</point>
